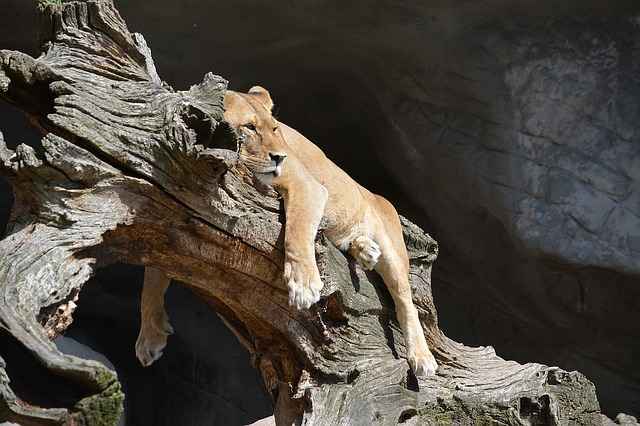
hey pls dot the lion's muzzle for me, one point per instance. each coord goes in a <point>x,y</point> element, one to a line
<point>277,158</point>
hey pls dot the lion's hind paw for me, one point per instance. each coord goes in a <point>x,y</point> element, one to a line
<point>423,364</point>
<point>365,251</point>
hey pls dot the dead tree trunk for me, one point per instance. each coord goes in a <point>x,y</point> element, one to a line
<point>130,170</point>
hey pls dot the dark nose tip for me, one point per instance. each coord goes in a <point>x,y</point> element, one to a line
<point>277,157</point>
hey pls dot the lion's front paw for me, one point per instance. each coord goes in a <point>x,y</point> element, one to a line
<point>304,283</point>
<point>422,363</point>
<point>152,340</point>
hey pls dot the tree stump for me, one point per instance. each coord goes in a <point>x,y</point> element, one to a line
<point>130,170</point>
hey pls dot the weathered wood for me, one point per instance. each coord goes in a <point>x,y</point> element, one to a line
<point>131,170</point>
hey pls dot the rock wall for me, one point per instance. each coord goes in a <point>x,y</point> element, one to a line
<point>507,129</point>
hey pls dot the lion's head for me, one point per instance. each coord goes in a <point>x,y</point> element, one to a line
<point>261,148</point>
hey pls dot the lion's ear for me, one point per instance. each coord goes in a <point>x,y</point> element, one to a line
<point>263,95</point>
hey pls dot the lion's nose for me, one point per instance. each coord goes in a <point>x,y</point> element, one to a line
<point>277,157</point>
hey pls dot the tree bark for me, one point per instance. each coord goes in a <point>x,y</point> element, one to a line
<point>130,170</point>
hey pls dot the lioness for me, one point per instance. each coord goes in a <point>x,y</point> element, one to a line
<point>312,186</point>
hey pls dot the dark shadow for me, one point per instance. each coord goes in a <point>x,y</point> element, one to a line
<point>24,370</point>
<point>6,201</point>
<point>205,375</point>
<point>17,129</point>
<point>353,272</point>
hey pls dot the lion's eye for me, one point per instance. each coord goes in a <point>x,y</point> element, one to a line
<point>250,126</point>
<point>275,129</point>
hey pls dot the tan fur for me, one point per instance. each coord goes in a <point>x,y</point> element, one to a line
<point>313,187</point>
<point>154,321</point>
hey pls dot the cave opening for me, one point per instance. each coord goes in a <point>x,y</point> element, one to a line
<point>204,375</point>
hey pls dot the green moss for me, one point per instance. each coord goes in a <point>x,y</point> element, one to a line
<point>458,412</point>
<point>105,378</point>
<point>44,4</point>
<point>105,408</point>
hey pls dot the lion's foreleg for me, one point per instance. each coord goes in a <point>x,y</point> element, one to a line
<point>304,202</point>
<point>154,321</point>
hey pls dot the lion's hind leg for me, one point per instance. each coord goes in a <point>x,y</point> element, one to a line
<point>394,271</point>
<point>393,266</point>
<point>365,251</point>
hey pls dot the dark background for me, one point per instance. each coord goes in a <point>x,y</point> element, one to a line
<point>506,129</point>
